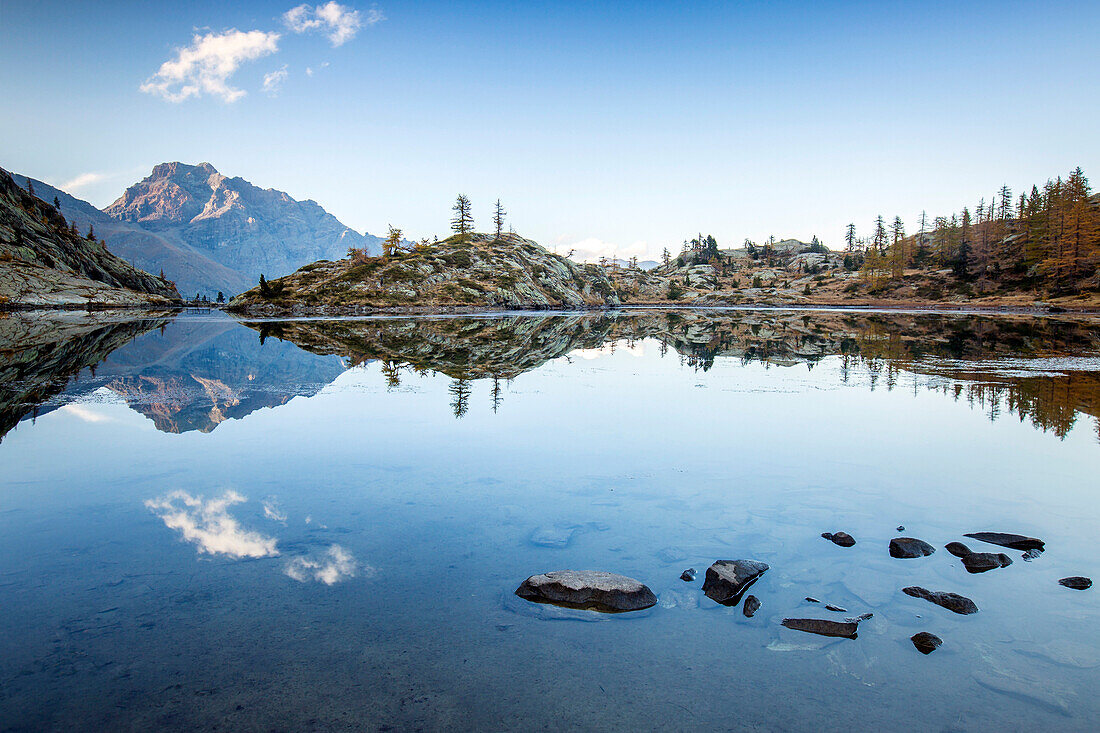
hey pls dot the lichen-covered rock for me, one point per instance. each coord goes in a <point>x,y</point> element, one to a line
<point>727,580</point>
<point>479,271</point>
<point>909,547</point>
<point>591,589</point>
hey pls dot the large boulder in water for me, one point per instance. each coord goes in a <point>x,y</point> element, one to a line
<point>842,539</point>
<point>1013,541</point>
<point>909,547</point>
<point>591,589</point>
<point>980,562</point>
<point>1077,582</point>
<point>950,601</point>
<point>846,629</point>
<point>727,580</point>
<point>925,642</point>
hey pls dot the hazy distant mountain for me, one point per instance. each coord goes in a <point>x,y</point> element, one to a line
<point>209,232</point>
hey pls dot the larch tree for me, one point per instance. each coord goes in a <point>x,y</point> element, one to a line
<point>462,223</point>
<point>392,242</point>
<point>498,219</point>
<point>850,237</point>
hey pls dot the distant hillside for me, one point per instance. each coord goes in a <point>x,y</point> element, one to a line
<point>44,261</point>
<point>192,270</point>
<point>245,229</point>
<point>511,272</point>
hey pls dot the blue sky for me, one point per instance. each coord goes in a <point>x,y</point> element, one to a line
<point>612,127</point>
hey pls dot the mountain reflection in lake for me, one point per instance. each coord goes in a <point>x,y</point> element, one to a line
<point>281,524</point>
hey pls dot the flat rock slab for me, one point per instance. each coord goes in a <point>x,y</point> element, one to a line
<point>727,580</point>
<point>842,539</point>
<point>823,627</point>
<point>925,642</point>
<point>595,590</point>
<point>910,547</point>
<point>980,562</point>
<point>1013,541</point>
<point>1076,582</point>
<point>950,601</point>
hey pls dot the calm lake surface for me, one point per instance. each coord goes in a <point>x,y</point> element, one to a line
<point>320,524</point>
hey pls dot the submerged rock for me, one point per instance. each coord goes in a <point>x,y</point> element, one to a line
<point>824,627</point>
<point>837,609</point>
<point>926,643</point>
<point>688,575</point>
<point>909,547</point>
<point>860,617</point>
<point>958,549</point>
<point>751,606</point>
<point>590,589</point>
<point>1031,555</point>
<point>980,562</point>
<point>727,580</point>
<point>839,538</point>
<point>950,601</point>
<point>1013,541</point>
<point>1077,582</point>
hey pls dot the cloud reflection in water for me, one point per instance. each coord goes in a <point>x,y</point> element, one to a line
<point>335,565</point>
<point>208,524</point>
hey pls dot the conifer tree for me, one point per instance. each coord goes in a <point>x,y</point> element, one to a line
<point>498,219</point>
<point>462,223</point>
<point>850,237</point>
<point>392,242</point>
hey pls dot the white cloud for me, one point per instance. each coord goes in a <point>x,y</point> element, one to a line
<point>310,71</point>
<point>84,179</point>
<point>335,565</point>
<point>83,413</point>
<point>274,80</point>
<point>591,249</point>
<point>208,524</point>
<point>339,22</point>
<point>208,64</point>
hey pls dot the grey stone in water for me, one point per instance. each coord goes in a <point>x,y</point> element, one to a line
<point>839,538</point>
<point>590,589</point>
<point>1013,541</point>
<point>950,601</point>
<point>958,549</point>
<point>980,562</point>
<point>824,627</point>
<point>926,643</point>
<point>1077,582</point>
<point>860,617</point>
<point>838,609</point>
<point>727,580</point>
<point>750,606</point>
<point>909,547</point>
<point>812,599</point>
<point>901,527</point>
<point>1031,555</point>
<point>688,575</point>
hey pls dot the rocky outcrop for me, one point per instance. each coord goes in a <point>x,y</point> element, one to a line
<point>727,580</point>
<point>45,262</point>
<point>909,547</point>
<point>1013,541</point>
<point>589,589</point>
<point>480,271</point>
<point>950,601</point>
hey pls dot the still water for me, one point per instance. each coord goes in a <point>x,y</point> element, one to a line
<point>320,524</point>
